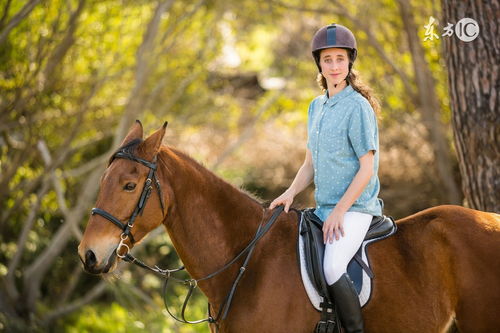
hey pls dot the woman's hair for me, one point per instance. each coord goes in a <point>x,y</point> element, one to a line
<point>357,84</point>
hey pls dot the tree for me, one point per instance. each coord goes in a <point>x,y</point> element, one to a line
<point>31,132</point>
<point>428,105</point>
<point>474,92</point>
<point>67,96</point>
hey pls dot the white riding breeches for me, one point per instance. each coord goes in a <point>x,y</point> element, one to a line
<point>339,253</point>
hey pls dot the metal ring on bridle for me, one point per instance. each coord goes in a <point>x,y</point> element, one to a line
<point>146,192</point>
<point>193,283</point>
<point>122,244</point>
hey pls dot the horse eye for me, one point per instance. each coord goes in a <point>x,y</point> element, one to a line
<point>129,187</point>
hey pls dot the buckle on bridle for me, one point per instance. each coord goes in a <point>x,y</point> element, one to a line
<point>123,237</point>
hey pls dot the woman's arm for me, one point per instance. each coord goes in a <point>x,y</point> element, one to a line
<point>304,176</point>
<point>334,223</point>
<point>302,179</point>
<point>359,182</point>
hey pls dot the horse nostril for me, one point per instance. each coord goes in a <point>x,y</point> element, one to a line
<point>90,259</point>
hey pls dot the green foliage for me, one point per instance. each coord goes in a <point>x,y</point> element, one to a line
<point>113,318</point>
<point>185,77</point>
<point>124,316</point>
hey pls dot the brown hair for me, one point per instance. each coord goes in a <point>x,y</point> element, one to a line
<point>357,84</point>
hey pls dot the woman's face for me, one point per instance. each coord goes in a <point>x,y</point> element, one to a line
<point>334,64</point>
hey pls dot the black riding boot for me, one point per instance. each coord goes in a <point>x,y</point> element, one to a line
<point>347,304</point>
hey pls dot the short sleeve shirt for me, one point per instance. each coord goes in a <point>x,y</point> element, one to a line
<point>341,129</point>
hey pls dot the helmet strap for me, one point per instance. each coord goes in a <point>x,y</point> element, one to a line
<point>335,85</point>
<point>345,79</point>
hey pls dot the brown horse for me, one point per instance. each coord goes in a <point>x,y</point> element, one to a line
<point>440,272</point>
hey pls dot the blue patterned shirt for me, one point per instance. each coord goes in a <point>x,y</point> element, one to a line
<point>341,129</point>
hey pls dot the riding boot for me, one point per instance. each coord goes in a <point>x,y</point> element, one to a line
<point>347,303</point>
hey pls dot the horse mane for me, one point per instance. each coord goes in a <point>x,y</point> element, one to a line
<point>131,148</point>
<point>204,170</point>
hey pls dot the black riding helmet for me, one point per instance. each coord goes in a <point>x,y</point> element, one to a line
<point>334,35</point>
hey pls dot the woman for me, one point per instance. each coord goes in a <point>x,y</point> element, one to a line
<point>342,158</point>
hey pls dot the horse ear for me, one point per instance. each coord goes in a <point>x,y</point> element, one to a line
<point>135,132</point>
<point>152,144</point>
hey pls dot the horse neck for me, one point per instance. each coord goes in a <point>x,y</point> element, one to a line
<point>209,220</point>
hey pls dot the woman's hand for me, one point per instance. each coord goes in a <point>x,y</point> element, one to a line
<point>334,225</point>
<point>285,199</point>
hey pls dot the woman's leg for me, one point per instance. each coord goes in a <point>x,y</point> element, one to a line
<point>340,252</point>
<point>337,256</point>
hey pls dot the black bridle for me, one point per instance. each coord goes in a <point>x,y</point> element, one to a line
<point>146,193</point>
<point>193,283</point>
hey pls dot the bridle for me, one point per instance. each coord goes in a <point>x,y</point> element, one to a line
<point>193,283</point>
<point>139,208</point>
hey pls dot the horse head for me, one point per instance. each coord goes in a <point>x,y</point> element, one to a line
<point>130,202</point>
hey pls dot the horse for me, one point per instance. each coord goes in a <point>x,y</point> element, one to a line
<point>439,273</point>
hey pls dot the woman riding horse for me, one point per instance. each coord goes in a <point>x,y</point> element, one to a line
<point>442,273</point>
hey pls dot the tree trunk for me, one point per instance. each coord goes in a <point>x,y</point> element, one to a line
<point>144,61</point>
<point>428,105</point>
<point>474,95</point>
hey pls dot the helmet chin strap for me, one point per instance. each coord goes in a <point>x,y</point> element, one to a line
<point>345,79</point>
<point>335,85</point>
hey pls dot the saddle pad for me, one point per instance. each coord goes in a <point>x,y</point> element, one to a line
<point>362,281</point>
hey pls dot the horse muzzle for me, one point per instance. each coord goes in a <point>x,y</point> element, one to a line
<point>91,265</point>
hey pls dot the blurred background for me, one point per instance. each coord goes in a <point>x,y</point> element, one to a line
<point>234,79</point>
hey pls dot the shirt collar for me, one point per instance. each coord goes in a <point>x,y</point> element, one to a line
<point>340,95</point>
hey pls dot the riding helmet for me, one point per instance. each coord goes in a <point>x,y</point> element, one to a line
<point>334,35</point>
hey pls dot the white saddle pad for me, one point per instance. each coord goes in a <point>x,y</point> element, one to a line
<point>315,298</point>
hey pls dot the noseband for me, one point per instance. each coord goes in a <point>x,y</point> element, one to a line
<point>146,193</point>
<point>193,283</point>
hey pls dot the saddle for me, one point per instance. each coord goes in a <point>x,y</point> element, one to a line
<point>310,248</point>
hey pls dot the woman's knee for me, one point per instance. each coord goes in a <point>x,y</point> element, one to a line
<point>333,271</point>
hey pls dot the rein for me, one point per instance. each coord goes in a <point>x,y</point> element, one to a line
<point>193,283</point>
